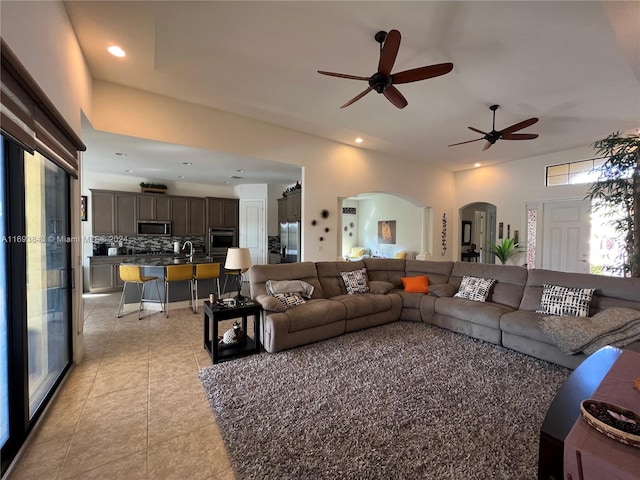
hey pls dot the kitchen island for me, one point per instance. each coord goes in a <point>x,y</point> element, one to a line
<point>154,266</point>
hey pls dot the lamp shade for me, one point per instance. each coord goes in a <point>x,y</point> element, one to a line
<point>238,259</point>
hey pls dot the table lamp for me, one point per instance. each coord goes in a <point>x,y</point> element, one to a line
<point>238,259</point>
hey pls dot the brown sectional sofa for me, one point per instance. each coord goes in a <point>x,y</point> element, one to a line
<point>507,317</point>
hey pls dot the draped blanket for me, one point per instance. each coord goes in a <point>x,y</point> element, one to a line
<point>615,326</point>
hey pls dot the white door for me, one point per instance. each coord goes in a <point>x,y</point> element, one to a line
<point>566,233</point>
<point>252,229</point>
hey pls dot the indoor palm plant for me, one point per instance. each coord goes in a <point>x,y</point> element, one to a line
<point>504,250</point>
<point>618,189</point>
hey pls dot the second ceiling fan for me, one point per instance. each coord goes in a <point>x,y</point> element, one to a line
<point>506,133</point>
<point>383,81</point>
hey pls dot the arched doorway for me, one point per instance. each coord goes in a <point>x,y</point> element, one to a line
<point>363,213</point>
<point>477,232</point>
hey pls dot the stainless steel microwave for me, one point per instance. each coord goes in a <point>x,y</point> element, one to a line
<point>154,227</point>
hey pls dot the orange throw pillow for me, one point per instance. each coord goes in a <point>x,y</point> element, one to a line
<point>418,284</point>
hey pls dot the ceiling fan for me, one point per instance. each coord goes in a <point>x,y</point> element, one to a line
<point>506,134</point>
<point>383,81</point>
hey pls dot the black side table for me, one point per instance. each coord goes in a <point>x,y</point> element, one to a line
<point>216,313</point>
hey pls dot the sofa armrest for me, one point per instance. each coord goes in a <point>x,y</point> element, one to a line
<point>270,303</point>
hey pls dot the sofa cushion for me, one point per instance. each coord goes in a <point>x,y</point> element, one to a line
<point>356,281</point>
<point>386,269</point>
<point>559,300</point>
<point>483,313</point>
<point>417,284</point>
<point>443,290</point>
<point>609,291</point>
<point>315,313</point>
<point>364,304</point>
<point>524,323</point>
<point>510,280</point>
<point>270,303</point>
<point>380,287</point>
<point>474,288</point>
<point>438,272</point>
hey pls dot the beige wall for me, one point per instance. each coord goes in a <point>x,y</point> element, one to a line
<point>330,170</point>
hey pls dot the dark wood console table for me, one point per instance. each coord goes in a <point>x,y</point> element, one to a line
<point>565,410</point>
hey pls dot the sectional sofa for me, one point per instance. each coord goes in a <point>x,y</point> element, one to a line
<point>507,316</point>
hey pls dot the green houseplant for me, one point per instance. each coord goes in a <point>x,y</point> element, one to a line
<point>618,190</point>
<point>504,250</point>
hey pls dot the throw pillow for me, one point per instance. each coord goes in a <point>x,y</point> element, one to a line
<point>380,287</point>
<point>558,300</point>
<point>290,299</point>
<point>474,288</point>
<point>400,255</point>
<point>356,281</point>
<point>419,284</point>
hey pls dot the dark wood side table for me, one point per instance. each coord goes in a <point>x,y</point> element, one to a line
<point>469,256</point>
<point>565,410</point>
<point>216,313</point>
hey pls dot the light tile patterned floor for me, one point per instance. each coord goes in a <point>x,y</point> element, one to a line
<point>134,408</point>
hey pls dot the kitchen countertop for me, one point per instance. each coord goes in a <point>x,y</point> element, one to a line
<point>163,261</point>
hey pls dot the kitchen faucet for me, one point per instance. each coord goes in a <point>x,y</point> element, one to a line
<point>190,249</point>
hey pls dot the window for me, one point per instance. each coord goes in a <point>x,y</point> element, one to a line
<point>572,173</point>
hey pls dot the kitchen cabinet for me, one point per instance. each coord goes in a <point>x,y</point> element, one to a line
<point>104,274</point>
<point>153,207</point>
<point>113,212</point>
<point>187,216</point>
<point>222,212</point>
<point>290,207</point>
<point>102,212</point>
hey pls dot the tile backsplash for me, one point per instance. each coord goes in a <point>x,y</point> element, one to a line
<point>134,244</point>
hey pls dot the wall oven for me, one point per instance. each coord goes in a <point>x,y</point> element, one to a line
<point>221,239</point>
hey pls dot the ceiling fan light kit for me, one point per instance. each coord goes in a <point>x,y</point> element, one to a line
<point>383,80</point>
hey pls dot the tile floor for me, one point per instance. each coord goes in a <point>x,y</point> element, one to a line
<point>134,408</point>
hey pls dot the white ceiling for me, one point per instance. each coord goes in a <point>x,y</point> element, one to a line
<point>575,65</point>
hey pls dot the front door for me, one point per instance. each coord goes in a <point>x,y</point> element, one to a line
<point>566,233</point>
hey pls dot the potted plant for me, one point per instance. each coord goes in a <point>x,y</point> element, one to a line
<point>504,250</point>
<point>618,190</point>
<point>153,187</point>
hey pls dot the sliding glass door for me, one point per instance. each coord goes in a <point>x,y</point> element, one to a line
<point>35,341</point>
<point>47,249</point>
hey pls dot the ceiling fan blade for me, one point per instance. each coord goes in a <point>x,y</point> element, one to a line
<point>519,136</point>
<point>357,97</point>
<point>519,126</point>
<point>389,52</point>
<point>468,141</point>
<point>422,73</point>
<point>477,131</point>
<point>487,146</point>
<point>395,97</point>
<point>343,75</point>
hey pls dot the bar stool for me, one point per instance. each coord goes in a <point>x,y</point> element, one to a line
<point>176,273</point>
<point>133,274</point>
<point>204,271</point>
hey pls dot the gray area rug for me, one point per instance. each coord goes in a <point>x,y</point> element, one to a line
<point>399,401</point>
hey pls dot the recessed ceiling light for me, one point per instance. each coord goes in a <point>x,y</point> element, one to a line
<point>181,176</point>
<point>129,171</point>
<point>116,51</point>
<point>359,140</point>
<point>235,177</point>
<point>120,154</point>
<point>187,163</point>
<point>240,170</point>
<point>477,164</point>
<point>226,181</point>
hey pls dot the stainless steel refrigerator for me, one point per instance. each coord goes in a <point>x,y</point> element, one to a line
<point>290,242</point>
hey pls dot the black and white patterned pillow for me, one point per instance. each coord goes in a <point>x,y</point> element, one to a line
<point>290,299</point>
<point>558,300</point>
<point>356,281</point>
<point>475,288</point>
